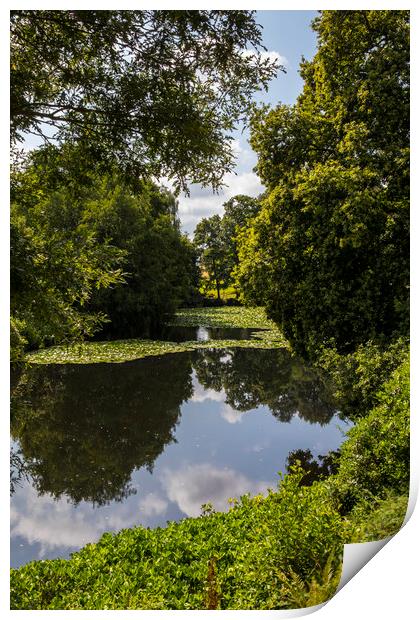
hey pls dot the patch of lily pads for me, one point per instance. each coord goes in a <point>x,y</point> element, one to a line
<point>225,316</point>
<point>117,351</point>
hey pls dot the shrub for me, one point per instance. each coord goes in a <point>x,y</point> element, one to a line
<point>377,520</point>
<point>357,377</point>
<point>375,458</point>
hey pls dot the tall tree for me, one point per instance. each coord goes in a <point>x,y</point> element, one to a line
<point>238,212</point>
<point>328,253</point>
<point>210,241</point>
<point>87,250</point>
<point>56,263</point>
<point>216,240</point>
<point>157,92</point>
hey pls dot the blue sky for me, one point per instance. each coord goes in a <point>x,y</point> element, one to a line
<point>289,35</point>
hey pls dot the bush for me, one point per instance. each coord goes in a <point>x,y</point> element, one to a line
<point>375,458</point>
<point>377,520</point>
<point>357,377</point>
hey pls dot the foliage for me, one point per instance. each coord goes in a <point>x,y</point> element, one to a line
<point>227,294</point>
<point>223,317</point>
<point>159,261</point>
<point>210,242</point>
<point>328,253</point>
<point>73,234</point>
<point>295,530</point>
<point>154,92</point>
<point>116,351</point>
<point>54,271</point>
<point>370,521</point>
<point>238,211</point>
<point>215,240</point>
<point>375,457</point>
<point>124,350</point>
<point>357,377</point>
<point>321,588</point>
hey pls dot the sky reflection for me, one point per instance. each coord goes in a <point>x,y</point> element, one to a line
<point>155,440</point>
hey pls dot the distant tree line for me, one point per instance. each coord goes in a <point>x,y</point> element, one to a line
<point>215,239</point>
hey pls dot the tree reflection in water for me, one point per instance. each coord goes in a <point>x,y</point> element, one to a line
<point>83,429</point>
<point>313,469</point>
<point>270,377</point>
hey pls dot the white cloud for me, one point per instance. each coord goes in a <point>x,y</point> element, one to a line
<point>41,519</point>
<point>202,202</point>
<point>231,415</point>
<point>58,523</point>
<point>194,485</point>
<point>201,394</point>
<point>152,505</point>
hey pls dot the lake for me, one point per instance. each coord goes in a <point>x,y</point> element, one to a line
<point>101,447</point>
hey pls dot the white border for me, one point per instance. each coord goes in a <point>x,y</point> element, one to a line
<point>387,587</point>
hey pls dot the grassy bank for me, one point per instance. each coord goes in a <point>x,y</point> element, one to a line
<point>223,560</point>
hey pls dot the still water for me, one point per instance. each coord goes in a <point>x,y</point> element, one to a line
<point>103,447</point>
<point>178,333</point>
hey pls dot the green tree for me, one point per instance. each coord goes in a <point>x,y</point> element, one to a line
<point>88,249</point>
<point>328,253</point>
<point>210,241</point>
<point>238,211</point>
<point>216,240</point>
<point>159,262</point>
<point>155,92</point>
<point>56,264</point>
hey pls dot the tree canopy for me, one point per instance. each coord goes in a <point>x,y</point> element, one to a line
<point>328,253</point>
<point>210,242</point>
<point>88,251</point>
<point>155,92</point>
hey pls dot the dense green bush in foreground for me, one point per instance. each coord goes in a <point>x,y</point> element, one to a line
<point>280,552</point>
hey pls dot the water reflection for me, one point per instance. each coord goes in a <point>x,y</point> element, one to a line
<point>267,377</point>
<point>192,486</point>
<point>105,446</point>
<point>178,333</point>
<point>83,429</point>
<point>314,468</point>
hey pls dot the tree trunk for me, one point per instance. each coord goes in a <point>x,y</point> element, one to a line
<point>218,289</point>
